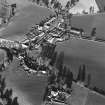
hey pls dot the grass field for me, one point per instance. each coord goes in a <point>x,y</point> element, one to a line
<point>87,22</point>
<point>20,24</point>
<point>84,96</point>
<point>95,99</point>
<point>79,95</point>
<point>78,52</point>
<point>29,89</point>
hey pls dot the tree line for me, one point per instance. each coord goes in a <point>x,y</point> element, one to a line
<point>101,91</point>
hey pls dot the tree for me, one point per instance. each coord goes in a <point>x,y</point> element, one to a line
<point>90,9</point>
<point>51,50</point>
<point>69,78</point>
<point>70,75</point>
<point>2,88</point>
<point>6,94</point>
<point>57,5</point>
<point>88,80</point>
<point>52,1</point>
<point>13,7</point>
<point>64,71</point>
<point>53,60</point>
<point>37,1</point>
<point>9,54</point>
<point>10,93</point>
<point>60,62</point>
<point>81,31</point>
<point>3,84</point>
<point>46,2</point>
<point>51,78</point>
<point>41,23</point>
<point>79,74</point>
<point>0,78</point>
<point>83,77</point>
<point>68,4</point>
<point>15,101</point>
<point>73,2</point>
<point>9,101</point>
<point>45,93</point>
<point>93,33</point>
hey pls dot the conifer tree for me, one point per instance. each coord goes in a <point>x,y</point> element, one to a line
<point>3,84</point>
<point>6,94</point>
<point>51,78</point>
<point>64,71</point>
<point>15,101</point>
<point>57,5</point>
<point>46,2</point>
<point>83,73</point>
<point>70,79</point>
<point>68,4</point>
<point>53,60</point>
<point>93,33</point>
<point>52,1</point>
<point>37,1</point>
<point>88,80</point>
<point>60,61</point>
<point>79,74</point>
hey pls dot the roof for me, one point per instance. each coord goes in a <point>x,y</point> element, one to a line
<point>101,4</point>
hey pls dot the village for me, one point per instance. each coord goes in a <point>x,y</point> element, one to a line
<point>36,56</point>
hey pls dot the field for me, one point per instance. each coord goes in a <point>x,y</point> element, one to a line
<point>29,89</point>
<point>84,96</point>
<point>76,51</point>
<point>91,53</point>
<point>25,18</point>
<point>95,99</point>
<point>87,22</point>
